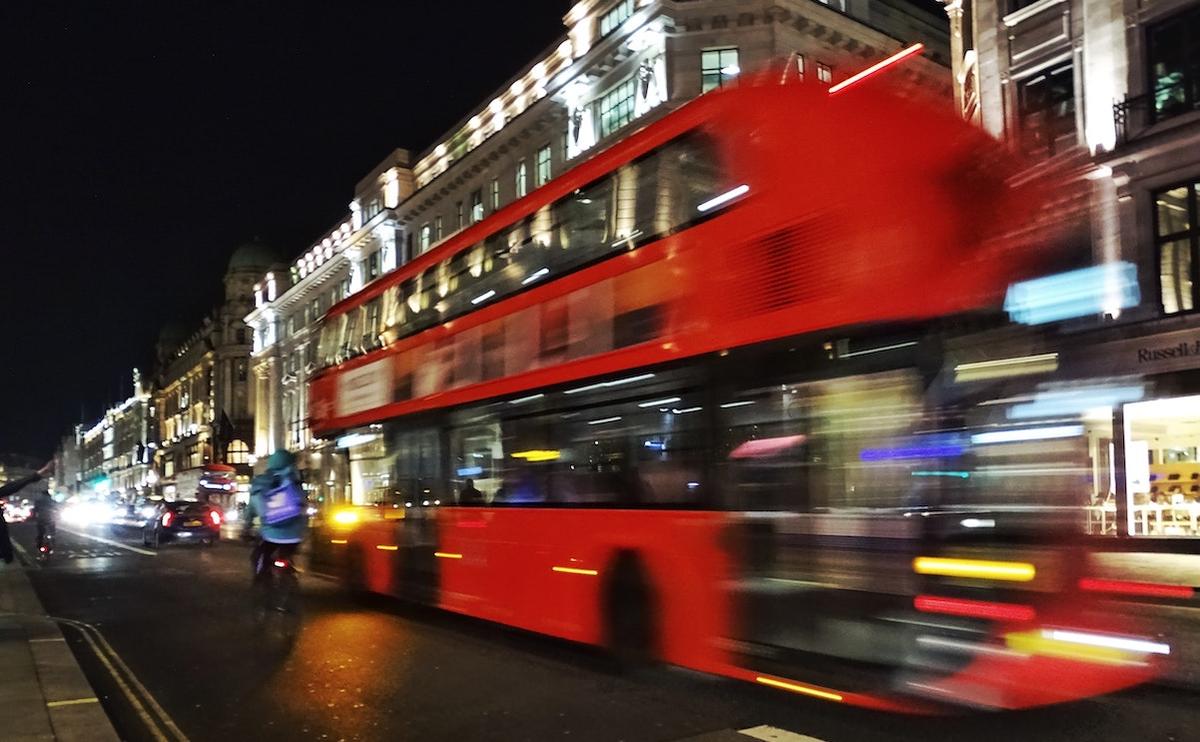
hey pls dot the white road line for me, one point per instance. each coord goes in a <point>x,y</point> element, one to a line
<point>29,562</point>
<point>109,541</point>
<point>775,734</point>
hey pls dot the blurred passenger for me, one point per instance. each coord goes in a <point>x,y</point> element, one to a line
<point>468,495</point>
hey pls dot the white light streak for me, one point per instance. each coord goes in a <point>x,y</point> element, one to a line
<point>1111,642</point>
<point>724,198</point>
<point>660,402</point>
<point>607,384</point>
<point>727,405</point>
<point>1028,434</point>
<point>483,297</point>
<point>604,420</point>
<point>534,276</point>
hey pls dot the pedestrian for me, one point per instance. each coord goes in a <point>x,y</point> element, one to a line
<point>6,549</point>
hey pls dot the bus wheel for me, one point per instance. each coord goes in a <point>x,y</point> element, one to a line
<point>631,621</point>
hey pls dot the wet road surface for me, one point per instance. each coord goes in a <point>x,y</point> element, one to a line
<point>174,627</point>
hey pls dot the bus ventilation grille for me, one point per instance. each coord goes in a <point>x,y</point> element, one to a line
<point>784,268</point>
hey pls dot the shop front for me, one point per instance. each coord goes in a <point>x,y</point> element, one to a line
<point>1143,435</point>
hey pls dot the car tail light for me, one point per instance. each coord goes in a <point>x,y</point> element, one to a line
<point>281,563</point>
<point>215,516</point>
<point>167,518</point>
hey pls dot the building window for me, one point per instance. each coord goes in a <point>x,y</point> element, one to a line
<point>543,165</point>
<point>1177,238</point>
<point>241,336</point>
<point>476,206</point>
<point>461,216</point>
<point>800,65</point>
<point>495,193</point>
<point>718,67</point>
<point>611,20</point>
<point>426,237</point>
<point>438,233</point>
<point>522,179</point>
<point>1046,112</point>
<point>1174,63</point>
<point>616,107</point>
<point>373,265</point>
<point>824,73</point>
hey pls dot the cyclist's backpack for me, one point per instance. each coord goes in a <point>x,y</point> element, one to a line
<point>284,502</point>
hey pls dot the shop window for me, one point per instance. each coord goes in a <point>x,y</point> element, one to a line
<point>718,67</point>
<point>1173,59</point>
<point>1177,237</point>
<point>1046,112</point>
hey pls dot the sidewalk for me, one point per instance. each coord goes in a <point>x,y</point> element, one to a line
<point>43,693</point>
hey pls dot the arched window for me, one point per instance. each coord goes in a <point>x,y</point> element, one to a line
<point>238,452</point>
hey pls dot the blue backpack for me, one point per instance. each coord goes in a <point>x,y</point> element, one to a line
<point>282,503</point>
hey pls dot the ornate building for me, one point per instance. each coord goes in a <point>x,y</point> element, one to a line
<point>203,398</point>
<point>116,451</point>
<point>619,65</point>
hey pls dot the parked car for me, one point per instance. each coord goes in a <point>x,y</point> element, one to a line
<point>184,520</point>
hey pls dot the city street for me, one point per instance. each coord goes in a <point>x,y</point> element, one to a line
<point>178,622</point>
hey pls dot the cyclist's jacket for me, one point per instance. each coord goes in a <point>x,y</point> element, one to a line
<point>289,531</point>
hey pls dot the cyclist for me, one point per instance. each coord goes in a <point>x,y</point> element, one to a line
<point>277,500</point>
<point>45,512</point>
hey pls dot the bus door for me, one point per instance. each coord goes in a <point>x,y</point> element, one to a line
<point>812,469</point>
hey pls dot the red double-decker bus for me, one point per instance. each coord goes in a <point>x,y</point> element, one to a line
<point>679,403</point>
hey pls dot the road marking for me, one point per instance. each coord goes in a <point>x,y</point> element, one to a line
<point>110,542</point>
<point>28,562</point>
<point>72,702</point>
<point>49,639</point>
<point>108,656</point>
<point>774,734</point>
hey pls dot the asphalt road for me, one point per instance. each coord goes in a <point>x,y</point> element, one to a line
<point>175,636</point>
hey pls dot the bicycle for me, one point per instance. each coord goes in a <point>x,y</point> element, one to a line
<point>45,545</point>
<point>276,601</point>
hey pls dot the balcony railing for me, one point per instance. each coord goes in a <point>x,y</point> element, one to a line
<point>1134,115</point>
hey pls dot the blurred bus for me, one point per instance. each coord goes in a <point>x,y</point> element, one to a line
<point>689,402</point>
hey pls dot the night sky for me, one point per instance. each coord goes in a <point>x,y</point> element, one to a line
<point>143,141</point>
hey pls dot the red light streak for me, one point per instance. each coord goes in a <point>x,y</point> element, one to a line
<point>877,68</point>
<point>974,608</point>
<point>1144,589</point>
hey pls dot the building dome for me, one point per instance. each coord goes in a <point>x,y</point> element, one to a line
<point>252,256</point>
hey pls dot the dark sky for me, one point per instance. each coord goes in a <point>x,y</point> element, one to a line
<point>141,141</point>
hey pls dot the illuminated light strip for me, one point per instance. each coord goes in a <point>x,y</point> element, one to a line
<point>522,400</point>
<point>686,410</point>
<point>534,276</point>
<point>447,555</point>
<point>607,384</point>
<point>1005,367</point>
<point>1028,434</point>
<point>1145,589</point>
<point>484,296</point>
<point>974,608</point>
<point>880,349</point>
<point>575,571</point>
<point>877,67</point>
<point>977,568</point>
<point>338,541</point>
<point>1108,642</point>
<point>729,405</point>
<point>387,547</point>
<point>658,402</point>
<point>724,198</point>
<point>604,420</point>
<point>798,688</point>
<point>538,455</point>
